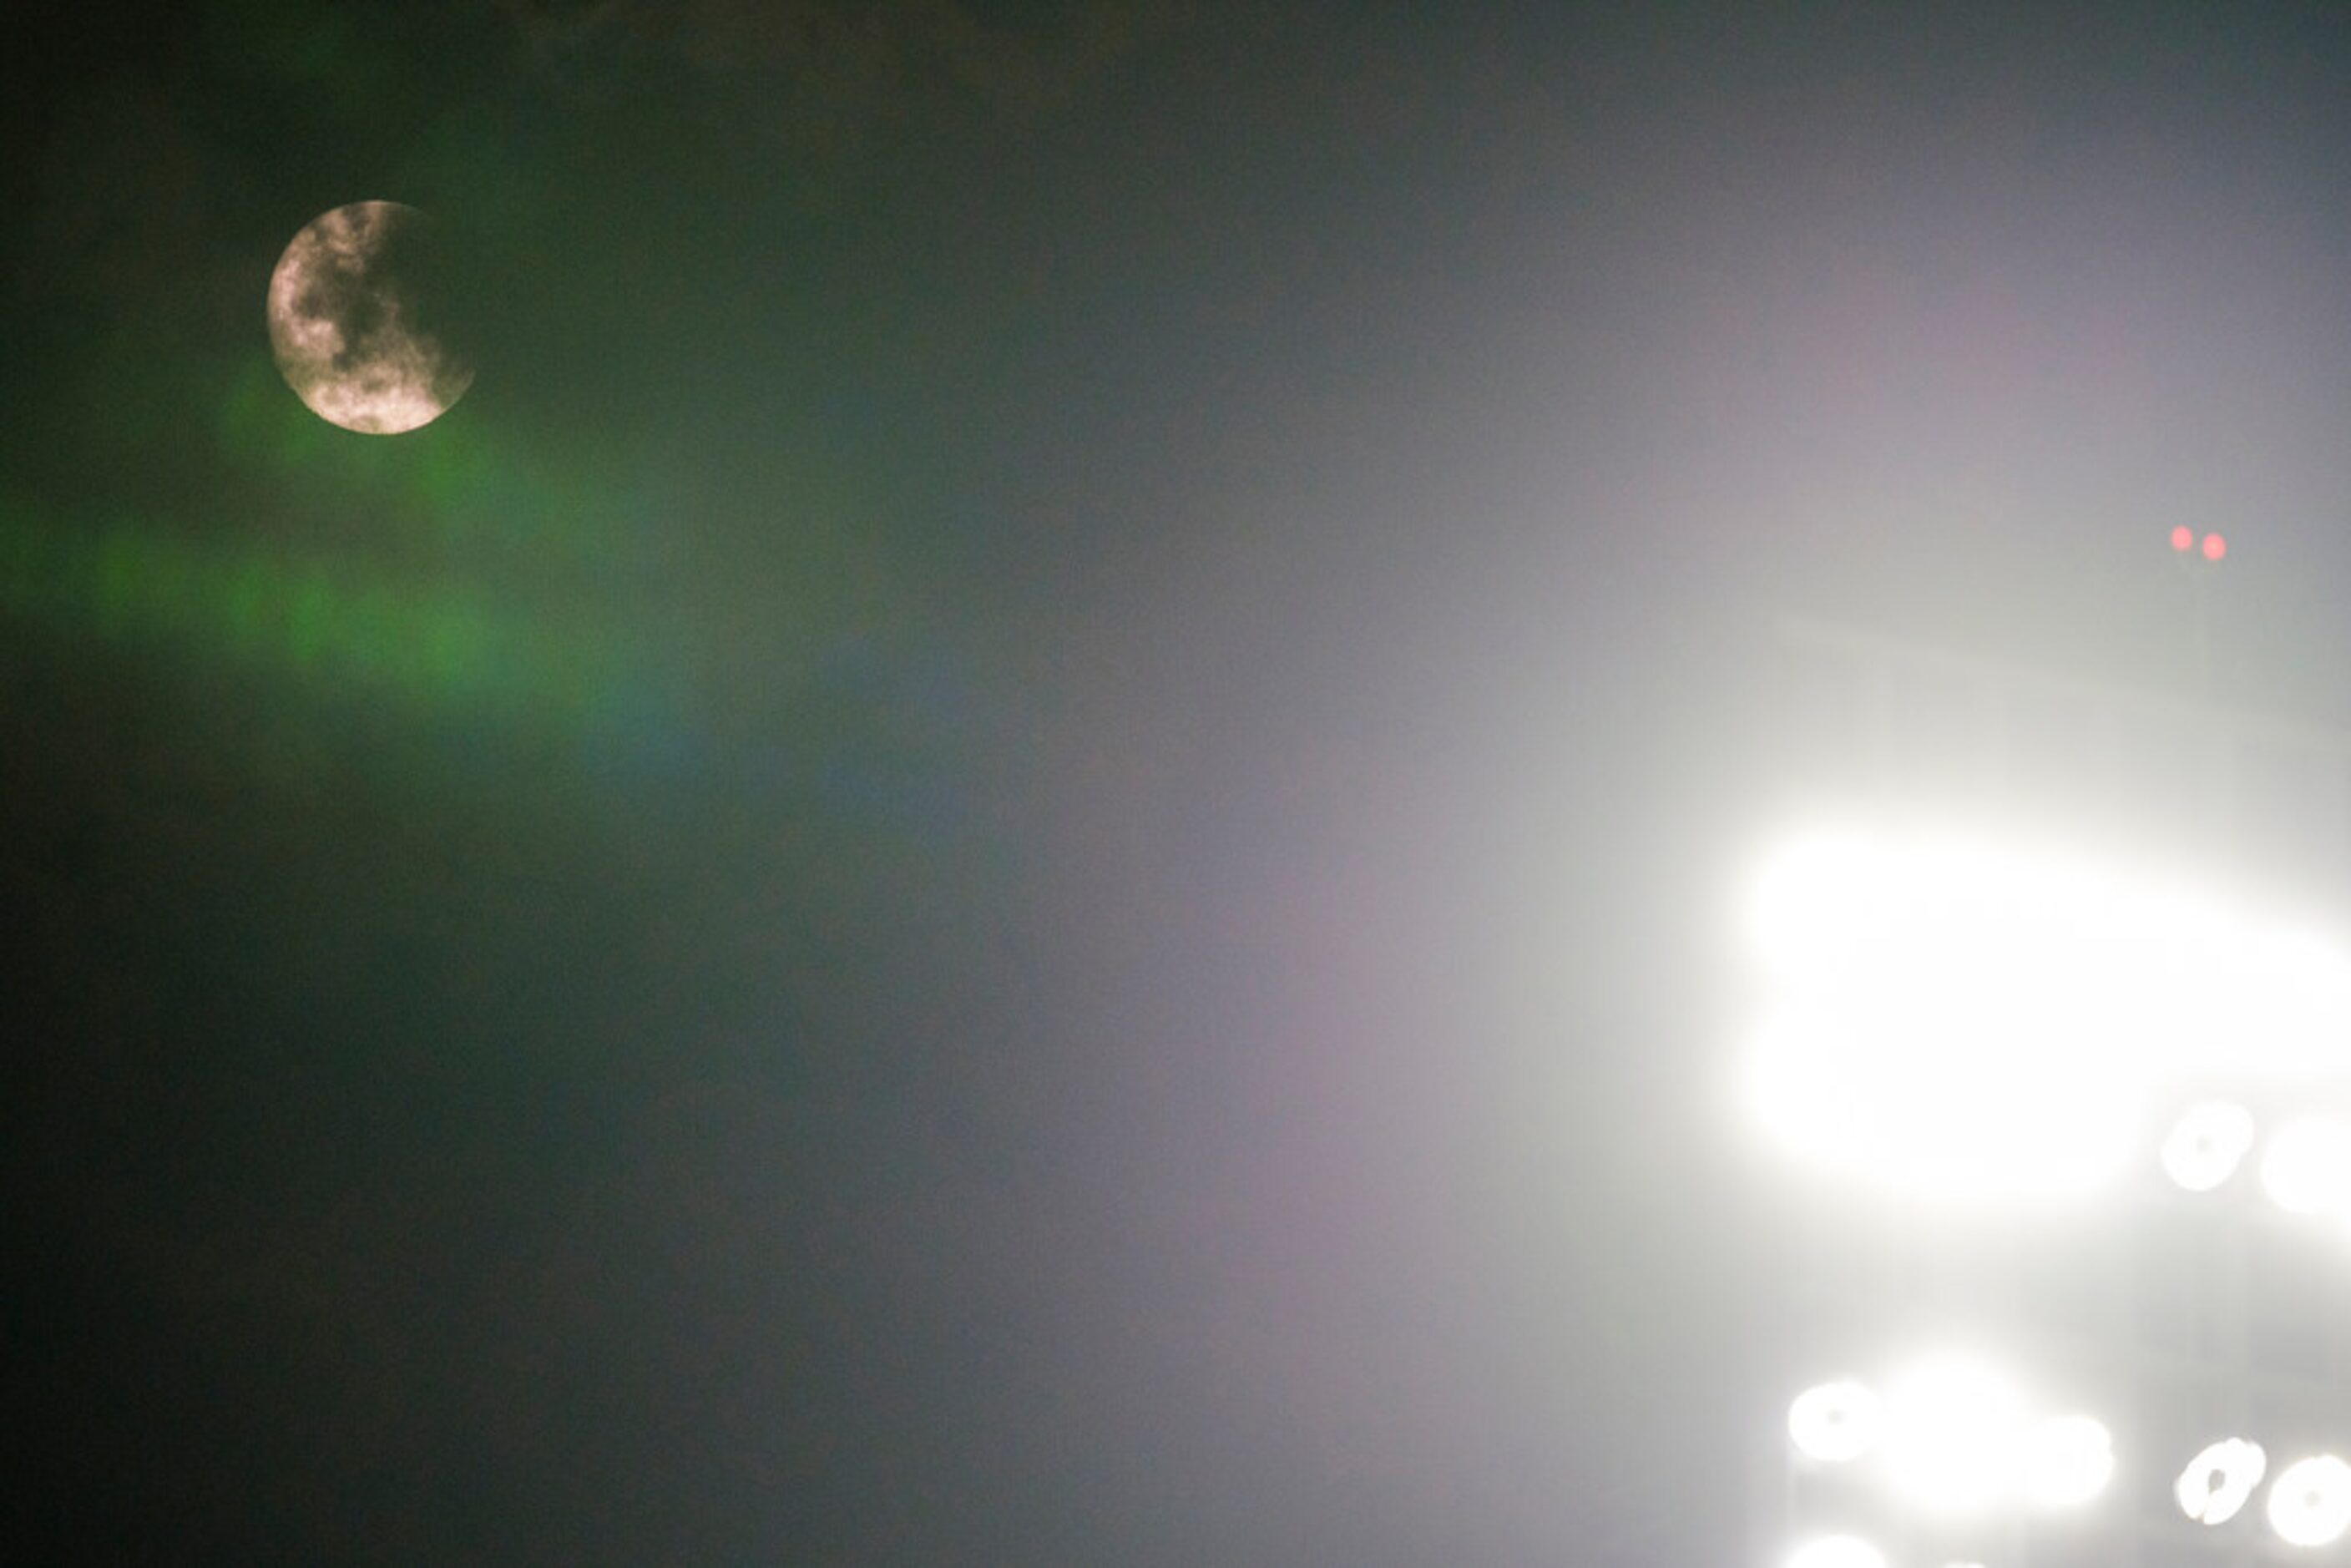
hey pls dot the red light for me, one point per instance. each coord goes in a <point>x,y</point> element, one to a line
<point>2215,547</point>
<point>2183,537</point>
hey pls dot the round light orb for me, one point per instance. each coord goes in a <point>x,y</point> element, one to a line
<point>1834,1423</point>
<point>2306,1169</point>
<point>2219,1480</point>
<point>357,312</point>
<point>1952,1436</point>
<point>2310,1502</point>
<point>2068,1461</point>
<point>1836,1551</point>
<point>2206,1144</point>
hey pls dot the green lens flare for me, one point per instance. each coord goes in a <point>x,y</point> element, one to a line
<point>426,642</point>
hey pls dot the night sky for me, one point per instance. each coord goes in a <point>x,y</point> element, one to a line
<point>1014,848</point>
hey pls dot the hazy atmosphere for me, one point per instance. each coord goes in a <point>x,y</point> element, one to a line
<point>1014,844</point>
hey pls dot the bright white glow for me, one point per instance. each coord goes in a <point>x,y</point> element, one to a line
<point>1803,914</point>
<point>1942,1106</point>
<point>2208,1144</point>
<point>1836,1551</point>
<point>1956,1018</point>
<point>1834,1423</point>
<point>1953,1430</point>
<point>2306,1169</point>
<point>1956,1436</point>
<point>2310,1502</point>
<point>2068,1461</point>
<point>2220,1481</point>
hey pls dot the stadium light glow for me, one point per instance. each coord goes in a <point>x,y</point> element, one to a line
<point>1955,1018</point>
<point>2310,1502</point>
<point>2206,1144</point>
<point>1955,1434</point>
<point>1952,1434</point>
<point>2306,1169</point>
<point>1834,1423</point>
<point>1930,1108</point>
<point>2068,1461</point>
<point>2219,1480</point>
<point>1836,1551</point>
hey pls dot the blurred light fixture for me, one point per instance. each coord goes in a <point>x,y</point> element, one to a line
<point>2183,538</point>
<point>2208,1144</point>
<point>1952,1434</point>
<point>2310,1502</point>
<point>1956,1018</point>
<point>1940,1107</point>
<point>2306,1169</point>
<point>1836,1551</point>
<point>2220,1481</point>
<point>2215,547</point>
<point>1834,1423</point>
<point>2068,1461</point>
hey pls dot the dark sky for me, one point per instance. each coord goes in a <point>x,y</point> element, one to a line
<point>1012,850</point>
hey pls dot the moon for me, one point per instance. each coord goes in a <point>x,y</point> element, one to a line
<point>352,321</point>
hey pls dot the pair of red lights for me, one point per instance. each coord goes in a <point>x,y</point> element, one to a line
<point>2183,539</point>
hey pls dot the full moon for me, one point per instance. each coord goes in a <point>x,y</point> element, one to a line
<point>352,320</point>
